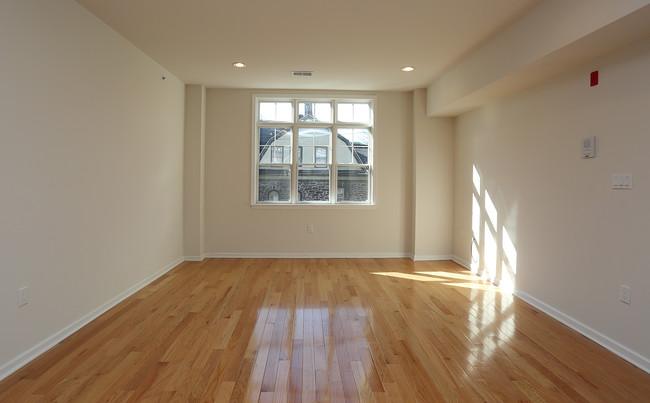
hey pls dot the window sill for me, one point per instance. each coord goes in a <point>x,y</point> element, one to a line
<point>313,206</point>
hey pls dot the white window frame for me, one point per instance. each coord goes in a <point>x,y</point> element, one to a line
<point>296,125</point>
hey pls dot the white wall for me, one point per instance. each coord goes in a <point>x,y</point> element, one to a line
<point>576,239</point>
<point>91,154</point>
<point>232,227</point>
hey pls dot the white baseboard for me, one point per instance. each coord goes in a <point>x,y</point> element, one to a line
<point>193,258</point>
<point>421,258</point>
<point>308,255</point>
<point>461,262</point>
<point>612,345</point>
<point>24,358</point>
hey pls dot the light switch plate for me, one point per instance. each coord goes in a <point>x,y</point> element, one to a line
<point>622,181</point>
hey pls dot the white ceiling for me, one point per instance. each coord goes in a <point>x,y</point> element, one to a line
<point>349,44</point>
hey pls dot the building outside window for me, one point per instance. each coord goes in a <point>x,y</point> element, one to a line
<point>313,151</point>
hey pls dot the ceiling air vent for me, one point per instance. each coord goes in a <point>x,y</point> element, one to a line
<point>302,73</point>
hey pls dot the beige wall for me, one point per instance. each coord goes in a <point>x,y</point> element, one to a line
<point>433,141</point>
<point>232,227</point>
<point>91,161</point>
<point>193,174</point>
<point>576,241</point>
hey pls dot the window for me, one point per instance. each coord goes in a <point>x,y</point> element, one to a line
<point>313,151</point>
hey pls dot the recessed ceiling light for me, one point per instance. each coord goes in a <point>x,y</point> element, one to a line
<point>240,65</point>
<point>408,68</point>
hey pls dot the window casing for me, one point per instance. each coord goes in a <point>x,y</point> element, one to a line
<point>313,151</point>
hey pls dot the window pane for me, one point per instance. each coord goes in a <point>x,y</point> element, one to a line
<point>344,113</point>
<point>322,137</point>
<point>344,155</point>
<point>275,145</point>
<point>274,183</point>
<point>306,137</point>
<point>284,112</point>
<point>321,155</point>
<point>306,155</point>
<point>274,195</point>
<point>313,155</point>
<point>313,183</point>
<point>267,111</point>
<point>275,136</point>
<point>264,152</point>
<point>276,156</point>
<point>353,146</point>
<point>361,137</point>
<point>360,155</point>
<point>276,112</point>
<point>352,184</point>
<point>355,137</point>
<point>314,145</point>
<point>310,137</point>
<point>315,112</point>
<point>345,137</point>
<point>356,113</point>
<point>323,112</point>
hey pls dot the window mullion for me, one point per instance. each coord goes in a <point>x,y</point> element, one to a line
<point>294,155</point>
<point>333,166</point>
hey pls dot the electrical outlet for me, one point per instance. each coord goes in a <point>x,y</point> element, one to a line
<point>22,296</point>
<point>626,294</point>
<point>310,228</point>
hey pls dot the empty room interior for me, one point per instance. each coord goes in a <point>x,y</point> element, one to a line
<point>324,201</point>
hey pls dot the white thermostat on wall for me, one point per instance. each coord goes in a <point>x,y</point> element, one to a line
<point>589,147</point>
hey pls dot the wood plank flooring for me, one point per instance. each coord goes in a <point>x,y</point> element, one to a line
<point>321,330</point>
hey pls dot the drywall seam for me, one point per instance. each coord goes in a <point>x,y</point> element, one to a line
<point>27,356</point>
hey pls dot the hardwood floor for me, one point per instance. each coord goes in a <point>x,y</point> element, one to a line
<point>278,330</point>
